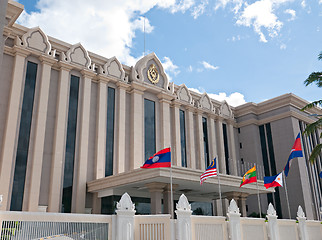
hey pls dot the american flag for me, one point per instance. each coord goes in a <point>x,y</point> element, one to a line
<point>211,171</point>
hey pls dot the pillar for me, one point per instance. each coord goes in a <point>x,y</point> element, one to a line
<point>183,213</point>
<point>39,139</point>
<point>81,173</point>
<point>176,137</point>
<point>156,190</point>
<point>303,233</point>
<point>119,159</point>
<point>272,227</point>
<point>232,148</point>
<point>234,221</point>
<point>101,115</point>
<point>164,101</point>
<point>220,145</point>
<point>167,198</point>
<point>242,204</point>
<point>11,127</point>
<point>136,134</point>
<point>59,143</point>
<point>212,137</point>
<point>191,155</point>
<point>125,218</point>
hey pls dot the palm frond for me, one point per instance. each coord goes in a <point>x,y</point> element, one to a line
<point>312,104</point>
<point>315,153</point>
<point>311,128</point>
<point>314,77</point>
<point>320,56</point>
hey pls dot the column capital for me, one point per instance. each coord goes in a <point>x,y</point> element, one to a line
<point>175,103</point>
<point>47,60</point>
<point>122,85</point>
<point>88,73</point>
<point>156,186</point>
<point>20,51</point>
<point>165,97</point>
<point>233,195</point>
<point>64,66</point>
<point>137,87</point>
<point>168,187</point>
<point>102,78</point>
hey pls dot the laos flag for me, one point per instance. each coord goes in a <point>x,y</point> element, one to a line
<point>296,151</point>
<point>159,159</point>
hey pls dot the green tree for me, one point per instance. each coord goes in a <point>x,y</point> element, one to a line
<point>314,78</point>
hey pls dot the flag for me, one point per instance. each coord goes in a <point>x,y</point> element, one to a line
<point>274,181</point>
<point>211,171</point>
<point>159,159</point>
<point>296,151</point>
<point>249,177</point>
<point>320,174</point>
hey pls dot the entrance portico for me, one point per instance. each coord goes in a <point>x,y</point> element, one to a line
<point>154,184</point>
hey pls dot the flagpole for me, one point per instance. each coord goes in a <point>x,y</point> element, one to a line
<point>288,203</point>
<point>259,202</point>
<point>171,198</point>
<point>217,159</point>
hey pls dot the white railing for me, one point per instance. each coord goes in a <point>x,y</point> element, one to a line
<point>28,226</point>
<point>125,225</point>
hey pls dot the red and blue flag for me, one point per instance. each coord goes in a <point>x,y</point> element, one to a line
<point>211,171</point>
<point>274,181</point>
<point>159,160</point>
<point>296,151</point>
<point>320,174</point>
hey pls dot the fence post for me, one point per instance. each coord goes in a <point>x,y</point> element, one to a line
<point>273,232</point>
<point>302,224</point>
<point>183,218</point>
<point>234,221</point>
<point>125,218</point>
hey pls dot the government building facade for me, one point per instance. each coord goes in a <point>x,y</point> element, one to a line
<point>75,128</point>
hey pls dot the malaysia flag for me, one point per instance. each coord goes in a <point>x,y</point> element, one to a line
<point>274,181</point>
<point>296,151</point>
<point>159,159</point>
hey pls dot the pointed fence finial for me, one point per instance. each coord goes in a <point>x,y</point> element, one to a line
<point>300,212</point>
<point>183,204</point>
<point>271,210</point>
<point>233,208</point>
<point>125,204</point>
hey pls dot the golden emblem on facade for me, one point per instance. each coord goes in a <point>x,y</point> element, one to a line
<point>153,74</point>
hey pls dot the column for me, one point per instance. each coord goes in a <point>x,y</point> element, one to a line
<point>167,198</point>
<point>101,116</point>
<point>176,137</point>
<point>200,143</point>
<point>119,159</point>
<point>137,128</point>
<point>220,145</point>
<point>156,190</point>
<point>191,156</point>
<point>11,127</point>
<point>57,168</point>
<point>81,173</point>
<point>165,120</point>
<point>242,204</point>
<point>39,139</point>
<point>232,148</point>
<point>212,137</point>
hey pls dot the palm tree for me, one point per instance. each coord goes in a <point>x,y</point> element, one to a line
<point>315,77</point>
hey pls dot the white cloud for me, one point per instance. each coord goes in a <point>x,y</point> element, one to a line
<point>190,69</point>
<point>283,46</point>
<point>170,68</point>
<point>303,3</point>
<point>234,99</point>
<point>106,27</point>
<point>292,13</point>
<point>200,9</point>
<point>207,65</point>
<point>260,15</point>
<point>320,2</point>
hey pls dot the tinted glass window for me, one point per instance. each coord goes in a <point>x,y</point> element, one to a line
<point>149,128</point>
<point>23,139</point>
<point>183,139</point>
<point>110,131</point>
<point>70,145</point>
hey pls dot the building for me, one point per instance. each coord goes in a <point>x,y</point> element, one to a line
<point>75,127</point>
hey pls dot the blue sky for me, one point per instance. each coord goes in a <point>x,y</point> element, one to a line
<point>254,50</point>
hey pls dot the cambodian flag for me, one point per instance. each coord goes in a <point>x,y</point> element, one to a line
<point>296,151</point>
<point>159,159</point>
<point>274,181</point>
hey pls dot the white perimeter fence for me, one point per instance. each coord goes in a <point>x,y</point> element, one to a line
<point>125,225</point>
